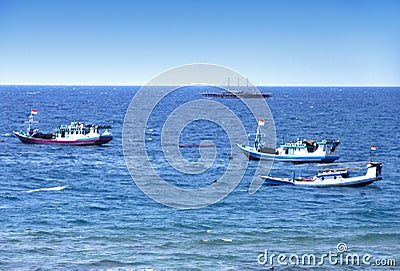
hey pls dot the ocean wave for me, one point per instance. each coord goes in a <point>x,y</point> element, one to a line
<point>56,188</point>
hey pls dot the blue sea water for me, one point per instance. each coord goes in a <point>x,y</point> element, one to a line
<point>77,208</point>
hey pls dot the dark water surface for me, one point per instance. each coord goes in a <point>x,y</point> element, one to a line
<point>68,207</point>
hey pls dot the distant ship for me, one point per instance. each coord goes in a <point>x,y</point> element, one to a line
<point>236,93</point>
<point>77,133</point>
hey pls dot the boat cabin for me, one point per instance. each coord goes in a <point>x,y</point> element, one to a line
<point>304,146</point>
<point>76,129</point>
<point>333,173</point>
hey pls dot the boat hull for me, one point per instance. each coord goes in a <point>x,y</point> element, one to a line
<point>351,182</point>
<point>331,178</point>
<point>80,142</point>
<point>252,154</point>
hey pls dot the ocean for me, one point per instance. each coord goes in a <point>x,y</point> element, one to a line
<point>78,208</point>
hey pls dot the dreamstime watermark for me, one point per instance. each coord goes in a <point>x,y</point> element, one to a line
<point>141,111</point>
<point>339,257</point>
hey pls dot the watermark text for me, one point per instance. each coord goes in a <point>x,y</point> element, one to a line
<point>338,257</point>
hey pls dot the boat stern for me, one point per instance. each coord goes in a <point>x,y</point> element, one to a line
<point>330,158</point>
<point>104,138</point>
<point>374,169</point>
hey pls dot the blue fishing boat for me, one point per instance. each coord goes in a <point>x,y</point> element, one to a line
<point>299,151</point>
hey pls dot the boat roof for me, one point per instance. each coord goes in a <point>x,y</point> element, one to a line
<point>73,125</point>
<point>337,170</point>
<point>302,143</point>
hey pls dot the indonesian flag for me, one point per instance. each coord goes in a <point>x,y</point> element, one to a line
<point>34,111</point>
<point>373,148</point>
<point>261,122</point>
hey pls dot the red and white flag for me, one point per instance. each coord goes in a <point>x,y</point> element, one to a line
<point>34,111</point>
<point>373,148</point>
<point>261,122</point>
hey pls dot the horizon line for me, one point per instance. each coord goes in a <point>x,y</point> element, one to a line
<point>139,85</point>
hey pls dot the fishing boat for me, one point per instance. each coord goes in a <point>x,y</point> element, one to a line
<point>330,177</point>
<point>76,133</point>
<point>299,151</point>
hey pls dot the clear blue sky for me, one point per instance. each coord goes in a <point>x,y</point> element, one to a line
<point>304,42</point>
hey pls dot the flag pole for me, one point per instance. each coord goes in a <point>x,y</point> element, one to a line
<point>373,148</point>
<point>370,155</point>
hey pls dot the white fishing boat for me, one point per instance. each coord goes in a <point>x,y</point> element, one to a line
<point>76,133</point>
<point>299,151</point>
<point>330,177</point>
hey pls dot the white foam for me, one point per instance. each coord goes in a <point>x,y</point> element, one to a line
<point>57,188</point>
<point>226,240</point>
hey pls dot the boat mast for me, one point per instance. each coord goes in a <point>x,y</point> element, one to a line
<point>257,141</point>
<point>30,123</point>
